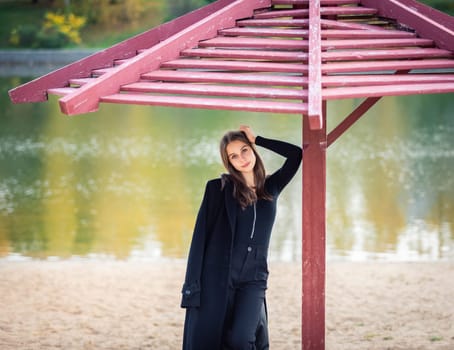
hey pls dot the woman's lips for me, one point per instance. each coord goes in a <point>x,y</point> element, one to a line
<point>246,165</point>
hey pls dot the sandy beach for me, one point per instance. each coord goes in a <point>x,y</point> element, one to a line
<point>135,305</point>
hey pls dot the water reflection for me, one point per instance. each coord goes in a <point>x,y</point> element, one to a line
<point>126,182</point>
<point>396,198</point>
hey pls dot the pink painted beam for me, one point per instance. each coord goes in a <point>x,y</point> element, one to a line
<point>324,11</point>
<point>36,90</point>
<point>300,13</point>
<point>315,67</point>
<point>326,34</point>
<point>216,90</point>
<point>374,43</point>
<point>314,193</point>
<point>366,66</point>
<point>260,43</point>
<point>271,55</point>
<point>274,32</point>
<point>226,78</point>
<point>428,22</point>
<point>387,90</point>
<point>365,34</point>
<point>362,55</point>
<point>313,235</point>
<point>250,66</point>
<point>322,2</point>
<point>61,91</point>
<point>351,119</point>
<point>382,79</point>
<point>208,103</point>
<point>300,23</point>
<point>328,23</point>
<point>80,81</point>
<point>86,98</point>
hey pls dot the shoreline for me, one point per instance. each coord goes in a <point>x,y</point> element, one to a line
<point>135,305</point>
<point>35,62</point>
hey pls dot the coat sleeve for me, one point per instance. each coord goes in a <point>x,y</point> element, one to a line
<point>293,155</point>
<point>192,286</point>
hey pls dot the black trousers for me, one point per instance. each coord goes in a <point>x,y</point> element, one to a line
<point>246,323</point>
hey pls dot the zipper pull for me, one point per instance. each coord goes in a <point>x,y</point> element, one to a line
<point>253,222</point>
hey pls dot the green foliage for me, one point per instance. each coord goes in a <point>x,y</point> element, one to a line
<point>107,21</point>
<point>178,8</point>
<point>442,5</point>
<point>24,35</point>
<point>110,12</point>
<point>56,31</point>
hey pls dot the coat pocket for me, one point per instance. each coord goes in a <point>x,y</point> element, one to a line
<point>261,271</point>
<point>190,295</point>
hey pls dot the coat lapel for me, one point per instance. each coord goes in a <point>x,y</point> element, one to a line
<point>230,205</point>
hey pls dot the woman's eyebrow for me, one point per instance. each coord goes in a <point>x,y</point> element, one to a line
<point>233,153</point>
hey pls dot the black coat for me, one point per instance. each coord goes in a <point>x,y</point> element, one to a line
<point>209,265</point>
<point>210,256</point>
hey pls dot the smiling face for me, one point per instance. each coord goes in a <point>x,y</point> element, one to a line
<point>241,156</point>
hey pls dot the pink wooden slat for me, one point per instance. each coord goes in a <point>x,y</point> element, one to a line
<point>235,65</point>
<point>384,79</point>
<point>347,10</point>
<point>324,11</point>
<point>387,90</point>
<point>275,32</point>
<point>36,90</point>
<point>365,34</point>
<point>374,43</point>
<point>360,55</point>
<point>61,91</point>
<point>260,43</point>
<point>328,23</point>
<point>86,98</point>
<point>81,81</point>
<point>345,67</point>
<point>326,34</point>
<point>301,23</point>
<point>427,21</point>
<point>300,13</point>
<point>229,78</point>
<point>322,2</point>
<point>272,55</point>
<point>216,90</point>
<point>121,61</point>
<point>208,103</point>
<point>315,70</point>
<point>102,71</point>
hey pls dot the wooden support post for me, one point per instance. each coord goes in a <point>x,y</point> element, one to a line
<point>314,223</point>
<point>315,66</point>
<point>352,118</point>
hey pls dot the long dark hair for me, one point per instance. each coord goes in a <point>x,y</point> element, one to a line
<point>241,191</point>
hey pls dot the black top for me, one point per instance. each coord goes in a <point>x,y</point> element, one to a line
<point>254,223</point>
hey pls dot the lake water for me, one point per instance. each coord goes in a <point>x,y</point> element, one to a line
<point>126,182</point>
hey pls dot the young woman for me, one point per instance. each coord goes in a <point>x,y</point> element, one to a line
<point>226,275</point>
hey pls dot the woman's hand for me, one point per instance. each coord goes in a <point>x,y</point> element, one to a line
<point>249,133</point>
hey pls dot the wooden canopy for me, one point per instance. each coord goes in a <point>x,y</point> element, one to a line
<point>282,56</point>
<point>265,55</point>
